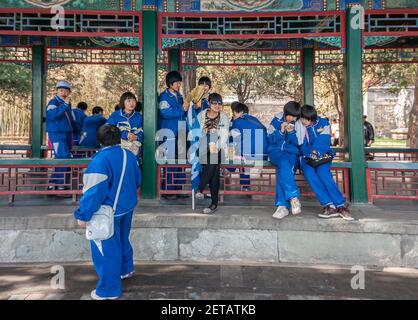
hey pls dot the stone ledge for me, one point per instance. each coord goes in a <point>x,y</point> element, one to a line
<point>203,245</point>
<point>258,221</point>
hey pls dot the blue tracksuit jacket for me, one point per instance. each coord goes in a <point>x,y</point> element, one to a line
<point>127,124</point>
<point>88,133</point>
<point>170,111</point>
<point>251,136</point>
<point>317,137</point>
<point>59,116</point>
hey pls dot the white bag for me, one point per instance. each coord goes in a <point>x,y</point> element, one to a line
<point>101,225</point>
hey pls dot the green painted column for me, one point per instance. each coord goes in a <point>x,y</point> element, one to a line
<point>171,6</point>
<point>354,108</point>
<point>174,55</point>
<point>150,101</point>
<point>308,75</point>
<point>38,98</point>
<point>175,60</point>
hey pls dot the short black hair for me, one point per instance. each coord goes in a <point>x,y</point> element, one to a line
<point>292,108</point>
<point>97,110</point>
<point>82,106</point>
<point>205,80</point>
<point>308,112</point>
<point>239,107</point>
<point>171,77</point>
<point>117,107</point>
<point>215,97</point>
<point>138,106</point>
<point>125,96</point>
<point>108,135</point>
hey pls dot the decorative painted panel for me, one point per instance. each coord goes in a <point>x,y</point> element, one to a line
<point>399,4</point>
<point>118,5</point>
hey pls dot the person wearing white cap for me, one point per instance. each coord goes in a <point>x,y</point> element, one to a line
<point>60,124</point>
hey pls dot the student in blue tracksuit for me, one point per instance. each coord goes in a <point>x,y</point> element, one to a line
<point>112,258</point>
<point>90,126</point>
<point>284,154</point>
<point>314,135</point>
<point>249,137</point>
<point>79,115</point>
<point>129,122</point>
<point>60,124</point>
<point>171,116</point>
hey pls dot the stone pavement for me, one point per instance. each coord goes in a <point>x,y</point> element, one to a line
<point>212,282</point>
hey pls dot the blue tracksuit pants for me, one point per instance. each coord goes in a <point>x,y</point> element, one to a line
<point>61,145</point>
<point>114,259</point>
<point>286,187</point>
<point>322,184</point>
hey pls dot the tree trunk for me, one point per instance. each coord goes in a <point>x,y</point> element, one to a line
<point>189,81</point>
<point>341,109</point>
<point>189,77</point>
<point>413,120</point>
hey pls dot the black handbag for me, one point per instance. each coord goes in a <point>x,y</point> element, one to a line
<point>314,163</point>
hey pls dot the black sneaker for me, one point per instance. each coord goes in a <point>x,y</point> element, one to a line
<point>345,213</point>
<point>169,196</point>
<point>328,212</point>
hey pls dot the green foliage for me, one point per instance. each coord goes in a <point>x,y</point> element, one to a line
<point>394,76</point>
<point>15,80</point>
<point>252,83</point>
<point>123,78</point>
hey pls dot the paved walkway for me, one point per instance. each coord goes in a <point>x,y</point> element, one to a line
<point>210,282</point>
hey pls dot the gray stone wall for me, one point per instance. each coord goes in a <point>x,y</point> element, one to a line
<point>379,106</point>
<point>246,239</point>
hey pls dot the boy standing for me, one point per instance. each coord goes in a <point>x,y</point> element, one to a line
<point>59,126</point>
<point>112,258</point>
<point>170,116</point>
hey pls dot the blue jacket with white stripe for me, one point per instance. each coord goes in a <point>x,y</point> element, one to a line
<point>205,105</point>
<point>251,135</point>
<point>283,142</point>
<point>101,180</point>
<point>170,111</point>
<point>127,124</point>
<point>319,138</point>
<point>89,132</point>
<point>59,116</point>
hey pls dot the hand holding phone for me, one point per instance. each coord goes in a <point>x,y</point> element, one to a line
<point>290,127</point>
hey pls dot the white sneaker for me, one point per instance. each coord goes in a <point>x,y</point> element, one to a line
<point>94,296</point>
<point>127,276</point>
<point>199,196</point>
<point>280,213</point>
<point>296,206</point>
<point>210,209</point>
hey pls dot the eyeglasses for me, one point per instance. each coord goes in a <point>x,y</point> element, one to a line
<point>219,103</point>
